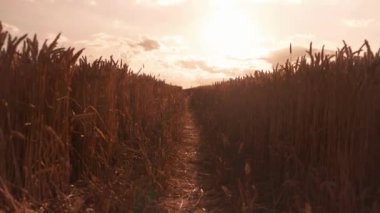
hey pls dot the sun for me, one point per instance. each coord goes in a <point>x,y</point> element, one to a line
<point>229,31</point>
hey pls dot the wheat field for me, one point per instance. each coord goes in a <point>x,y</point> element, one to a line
<point>64,120</point>
<point>301,138</point>
<point>78,135</point>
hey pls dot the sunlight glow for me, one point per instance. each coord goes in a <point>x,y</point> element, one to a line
<point>229,31</point>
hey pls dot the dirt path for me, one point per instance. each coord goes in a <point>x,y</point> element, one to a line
<point>192,186</point>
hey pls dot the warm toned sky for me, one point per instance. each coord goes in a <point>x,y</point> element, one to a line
<point>194,42</point>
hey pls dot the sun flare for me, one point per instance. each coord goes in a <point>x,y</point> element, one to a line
<point>229,31</point>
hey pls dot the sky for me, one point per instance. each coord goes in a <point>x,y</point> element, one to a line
<point>196,42</point>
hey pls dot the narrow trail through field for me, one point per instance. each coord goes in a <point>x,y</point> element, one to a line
<point>192,186</point>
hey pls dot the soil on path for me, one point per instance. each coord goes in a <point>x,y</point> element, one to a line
<point>192,186</point>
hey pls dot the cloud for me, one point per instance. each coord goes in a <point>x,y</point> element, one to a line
<point>281,55</point>
<point>87,2</point>
<point>193,64</point>
<point>34,1</point>
<point>121,25</point>
<point>277,1</point>
<point>202,65</point>
<point>358,23</point>
<point>11,28</point>
<point>62,39</point>
<point>174,40</point>
<point>105,44</point>
<point>161,2</point>
<point>302,37</point>
<point>105,40</point>
<point>147,44</point>
<point>91,2</point>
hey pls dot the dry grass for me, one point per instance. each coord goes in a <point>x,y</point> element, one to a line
<point>64,122</point>
<point>304,137</point>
